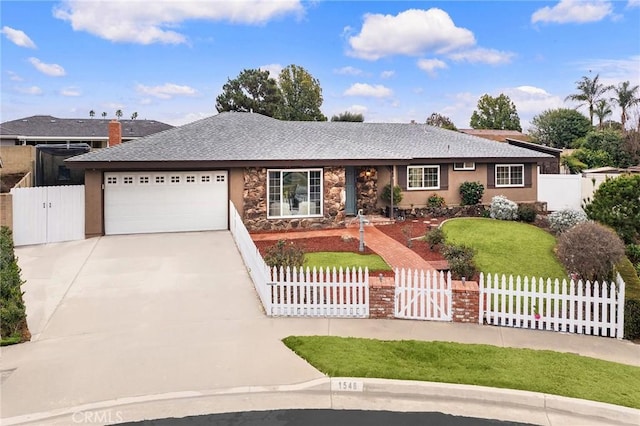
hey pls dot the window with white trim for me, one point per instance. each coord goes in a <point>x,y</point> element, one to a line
<point>464,166</point>
<point>509,175</point>
<point>423,177</point>
<point>294,193</point>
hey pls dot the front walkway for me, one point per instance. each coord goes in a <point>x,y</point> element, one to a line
<point>396,254</point>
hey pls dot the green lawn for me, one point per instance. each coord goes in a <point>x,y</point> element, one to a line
<point>525,369</point>
<point>507,247</point>
<point>345,260</point>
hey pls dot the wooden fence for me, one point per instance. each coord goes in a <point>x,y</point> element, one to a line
<point>423,295</point>
<point>572,307</point>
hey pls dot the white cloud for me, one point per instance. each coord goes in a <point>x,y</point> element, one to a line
<point>70,91</point>
<point>431,65</point>
<point>531,100</point>
<point>53,70</point>
<point>613,71</point>
<point>18,37</point>
<point>166,91</point>
<point>185,119</point>
<point>14,77</point>
<point>358,109</point>
<point>633,3</point>
<point>137,22</point>
<point>33,90</point>
<point>482,55</point>
<point>412,32</point>
<point>387,74</point>
<point>372,91</point>
<point>576,11</point>
<point>274,70</point>
<point>348,71</point>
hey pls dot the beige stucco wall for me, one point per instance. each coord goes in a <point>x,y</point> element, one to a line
<point>93,219</point>
<point>18,159</point>
<point>418,198</point>
<point>236,189</point>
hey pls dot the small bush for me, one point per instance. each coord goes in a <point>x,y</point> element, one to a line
<point>460,259</point>
<point>471,193</point>
<point>435,201</point>
<point>386,194</point>
<point>527,213</point>
<point>284,254</point>
<point>434,237</point>
<point>562,220</point>
<point>633,252</point>
<point>503,208</point>
<point>632,319</point>
<point>13,317</point>
<point>591,250</point>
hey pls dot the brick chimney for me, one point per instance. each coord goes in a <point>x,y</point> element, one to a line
<point>115,133</point>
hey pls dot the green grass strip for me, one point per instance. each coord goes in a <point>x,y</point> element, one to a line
<point>344,260</point>
<point>524,369</point>
<point>507,247</point>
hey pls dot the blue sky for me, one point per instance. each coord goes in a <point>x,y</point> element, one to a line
<point>393,61</point>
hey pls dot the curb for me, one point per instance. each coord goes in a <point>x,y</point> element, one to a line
<point>349,393</point>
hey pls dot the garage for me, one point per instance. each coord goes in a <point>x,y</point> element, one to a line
<point>146,202</point>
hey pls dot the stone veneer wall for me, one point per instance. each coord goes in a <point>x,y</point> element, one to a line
<point>366,191</point>
<point>255,203</point>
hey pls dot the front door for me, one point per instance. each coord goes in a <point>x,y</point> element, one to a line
<point>350,191</point>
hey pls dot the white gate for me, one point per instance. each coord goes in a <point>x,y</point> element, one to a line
<point>423,295</point>
<point>48,214</point>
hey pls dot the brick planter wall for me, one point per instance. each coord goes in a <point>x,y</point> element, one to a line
<point>381,297</point>
<point>465,301</point>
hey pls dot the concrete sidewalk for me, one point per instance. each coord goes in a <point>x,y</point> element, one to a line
<point>169,324</point>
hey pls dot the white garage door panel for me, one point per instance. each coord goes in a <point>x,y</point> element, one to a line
<point>165,202</point>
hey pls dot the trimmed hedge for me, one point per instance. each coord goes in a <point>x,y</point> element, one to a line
<point>631,299</point>
<point>13,317</point>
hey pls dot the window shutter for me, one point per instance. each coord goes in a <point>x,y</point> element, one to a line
<point>491,175</point>
<point>444,177</point>
<point>402,177</point>
<point>527,175</point>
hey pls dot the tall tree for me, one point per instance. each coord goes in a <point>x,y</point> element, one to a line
<point>589,91</point>
<point>119,114</point>
<point>92,113</point>
<point>302,95</point>
<point>625,97</point>
<point>348,116</point>
<point>439,120</point>
<point>253,90</point>
<point>602,110</point>
<point>104,114</point>
<point>559,128</point>
<point>496,113</point>
<point>134,115</point>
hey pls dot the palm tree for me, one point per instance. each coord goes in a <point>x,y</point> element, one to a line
<point>134,115</point>
<point>104,115</point>
<point>119,114</point>
<point>625,97</point>
<point>92,113</point>
<point>589,91</point>
<point>602,110</point>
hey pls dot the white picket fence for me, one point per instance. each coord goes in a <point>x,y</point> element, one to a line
<point>309,293</point>
<point>423,295</point>
<point>572,307</point>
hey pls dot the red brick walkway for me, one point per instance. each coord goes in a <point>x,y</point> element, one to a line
<point>396,254</point>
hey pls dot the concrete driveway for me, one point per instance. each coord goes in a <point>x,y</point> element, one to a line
<point>132,315</point>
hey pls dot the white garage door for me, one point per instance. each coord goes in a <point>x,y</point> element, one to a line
<point>144,202</point>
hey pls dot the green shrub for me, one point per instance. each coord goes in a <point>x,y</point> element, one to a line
<point>591,250</point>
<point>13,317</point>
<point>527,213</point>
<point>633,252</point>
<point>631,319</point>
<point>284,254</point>
<point>461,262</point>
<point>471,193</point>
<point>386,194</point>
<point>434,237</point>
<point>435,201</point>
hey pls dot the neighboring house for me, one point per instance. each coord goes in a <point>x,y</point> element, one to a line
<point>288,174</point>
<point>497,135</point>
<point>45,129</point>
<point>550,166</point>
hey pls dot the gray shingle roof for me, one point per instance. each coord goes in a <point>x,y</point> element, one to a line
<point>43,126</point>
<point>235,136</point>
